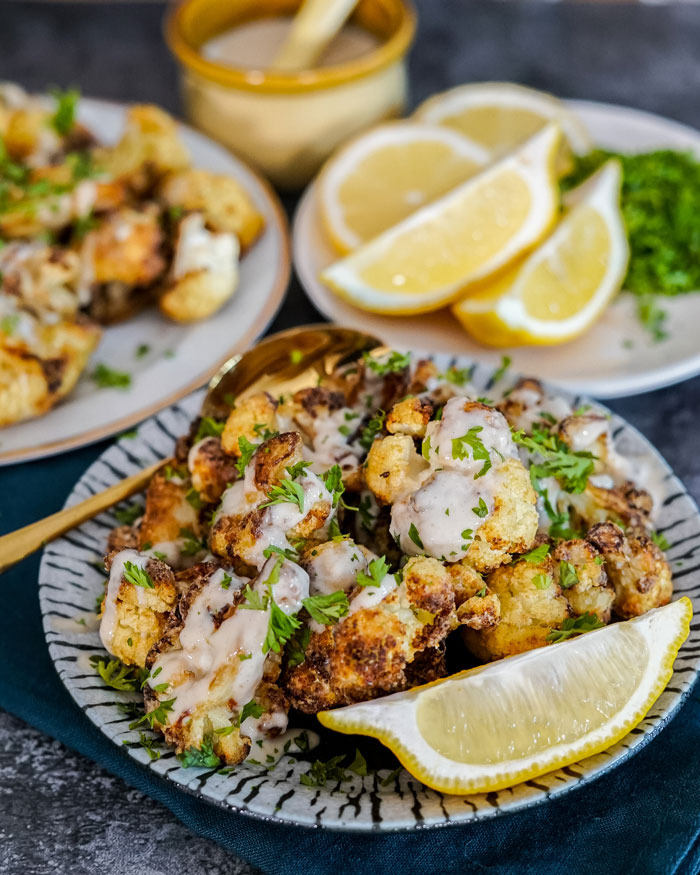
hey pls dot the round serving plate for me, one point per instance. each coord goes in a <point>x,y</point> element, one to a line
<point>615,358</point>
<point>180,358</point>
<point>69,583</point>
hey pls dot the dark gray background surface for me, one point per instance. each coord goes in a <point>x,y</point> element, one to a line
<point>59,813</point>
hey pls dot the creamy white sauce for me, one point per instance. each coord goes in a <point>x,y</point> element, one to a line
<point>206,650</point>
<point>335,566</point>
<point>198,249</point>
<point>442,511</point>
<point>534,404</point>
<point>370,597</point>
<point>23,324</point>
<point>108,625</point>
<point>329,446</point>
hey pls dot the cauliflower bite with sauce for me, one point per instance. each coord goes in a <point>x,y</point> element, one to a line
<point>170,525</point>
<point>223,202</point>
<point>583,579</point>
<point>212,676</point>
<point>636,567</point>
<point>141,593</point>
<point>279,500</point>
<point>366,653</point>
<point>532,605</point>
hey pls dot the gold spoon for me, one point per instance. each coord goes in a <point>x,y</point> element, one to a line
<point>283,363</point>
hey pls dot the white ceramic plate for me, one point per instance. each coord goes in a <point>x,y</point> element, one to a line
<point>181,357</point>
<point>615,358</point>
<point>69,584</point>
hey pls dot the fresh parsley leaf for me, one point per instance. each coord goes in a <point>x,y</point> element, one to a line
<point>457,376</point>
<point>321,773</point>
<point>415,537</point>
<point>372,429</point>
<point>575,626</point>
<point>570,469</point>
<point>479,452</point>
<point>365,511</point>
<point>297,469</point>
<point>500,372</point>
<point>567,575</point>
<point>287,491</point>
<point>129,514</point>
<point>359,764</point>
<point>280,628</point>
<point>208,427</point>
<point>191,544</point>
<point>158,715</point>
<point>253,600</point>
<point>9,324</point>
<point>286,553</point>
<point>660,540</point>
<point>250,709</point>
<point>391,364</point>
<point>481,510</point>
<point>63,119</point>
<point>536,555</point>
<point>192,497</point>
<point>115,674</point>
<point>327,609</point>
<point>542,581</point>
<point>391,777</point>
<point>296,646</point>
<point>107,378</point>
<point>246,454</point>
<point>333,480</point>
<point>83,225</point>
<point>137,576</point>
<point>202,758</point>
<point>226,581</point>
<point>425,448</point>
<point>378,570</point>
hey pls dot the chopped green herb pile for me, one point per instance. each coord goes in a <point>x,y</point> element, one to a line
<point>660,204</point>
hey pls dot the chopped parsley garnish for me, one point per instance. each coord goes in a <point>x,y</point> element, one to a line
<point>396,361</point>
<point>481,592</point>
<point>321,773</point>
<point>9,324</point>
<point>263,432</point>
<point>660,540</point>
<point>500,371</point>
<point>536,555</point>
<point>129,514</point>
<point>208,427</point>
<point>287,491</point>
<point>157,715</point>
<point>63,119</point>
<point>149,745</point>
<point>372,429</point>
<point>246,450</point>
<point>83,225</point>
<point>250,709</point>
<point>107,378</point>
<point>333,481</point>
<point>117,675</point>
<point>457,376</point>
<point>471,440</point>
<point>253,600</point>
<point>425,448</point>
<point>202,758</point>
<point>137,576</point>
<point>570,469</point>
<point>567,575</point>
<point>226,581</point>
<point>481,510</point>
<point>296,646</point>
<point>415,537</point>
<point>192,497</point>
<point>286,552</point>
<point>327,609</point>
<point>378,570</point>
<point>585,623</point>
<point>359,764</point>
<point>365,511</point>
<point>297,469</point>
<point>468,534</point>
<point>280,628</point>
<point>191,543</point>
<point>542,581</point>
<point>391,777</point>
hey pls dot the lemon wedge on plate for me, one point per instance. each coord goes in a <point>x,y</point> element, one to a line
<point>388,173</point>
<point>562,287</point>
<point>426,260</point>
<point>501,115</point>
<point>510,721</point>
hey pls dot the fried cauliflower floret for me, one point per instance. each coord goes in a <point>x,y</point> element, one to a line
<point>410,417</point>
<point>528,403</point>
<point>367,652</point>
<point>25,216</point>
<point>394,468</point>
<point>250,418</point>
<point>224,203</point>
<point>204,272</point>
<point>582,577</point>
<point>477,606</point>
<point>330,429</point>
<point>42,278</point>
<point>149,149</point>
<point>40,363</point>
<point>140,595</point>
<point>211,469</point>
<point>269,506</point>
<point>334,565</point>
<point>626,504</point>
<point>532,605</point>
<point>170,521</point>
<point>215,661</point>
<point>636,567</point>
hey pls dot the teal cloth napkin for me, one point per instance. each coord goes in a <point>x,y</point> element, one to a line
<point>643,817</point>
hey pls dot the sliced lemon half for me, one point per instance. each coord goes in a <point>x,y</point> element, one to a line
<point>501,115</point>
<point>510,721</point>
<point>388,173</point>
<point>562,287</point>
<point>426,260</point>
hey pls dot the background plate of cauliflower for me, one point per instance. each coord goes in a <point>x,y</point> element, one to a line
<point>137,256</point>
<point>404,520</point>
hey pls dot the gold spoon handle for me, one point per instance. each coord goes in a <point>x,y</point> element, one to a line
<point>16,545</point>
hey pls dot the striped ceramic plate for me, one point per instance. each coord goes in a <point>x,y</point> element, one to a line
<point>387,798</point>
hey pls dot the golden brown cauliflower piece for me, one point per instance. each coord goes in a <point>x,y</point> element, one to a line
<point>626,504</point>
<point>135,614</point>
<point>149,149</point>
<point>410,417</point>
<point>204,272</point>
<point>477,606</point>
<point>250,418</point>
<point>582,577</point>
<point>211,469</point>
<point>367,652</point>
<point>224,203</point>
<point>394,468</point>
<point>170,521</point>
<point>41,278</point>
<point>636,567</point>
<point>532,605</point>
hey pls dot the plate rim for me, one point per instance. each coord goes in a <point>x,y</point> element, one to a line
<point>280,284</point>
<point>587,776</point>
<point>609,388</point>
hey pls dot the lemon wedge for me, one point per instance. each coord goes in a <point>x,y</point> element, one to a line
<point>562,287</point>
<point>388,173</point>
<point>427,260</point>
<point>510,721</point>
<point>501,115</point>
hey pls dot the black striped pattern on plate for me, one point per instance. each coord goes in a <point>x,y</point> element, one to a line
<point>69,584</point>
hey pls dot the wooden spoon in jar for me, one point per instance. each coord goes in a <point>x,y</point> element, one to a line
<point>280,364</point>
<point>313,28</point>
